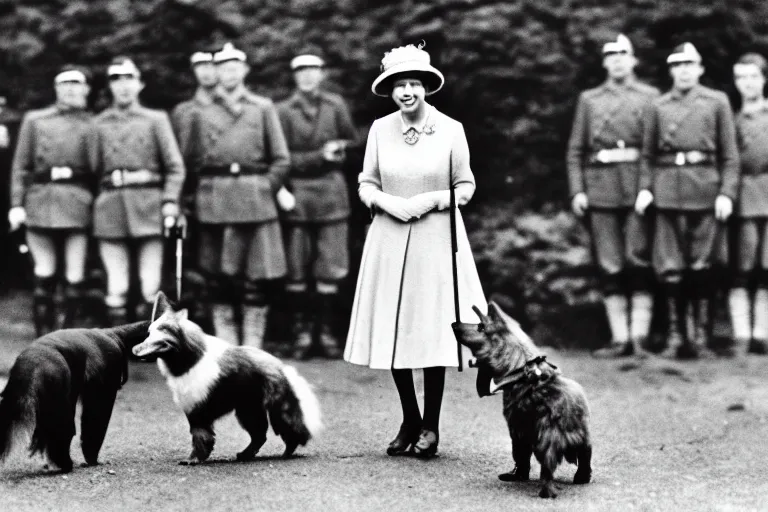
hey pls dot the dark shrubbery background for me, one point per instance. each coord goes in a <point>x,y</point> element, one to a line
<point>513,70</point>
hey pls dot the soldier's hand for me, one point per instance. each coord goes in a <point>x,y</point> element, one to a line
<point>333,151</point>
<point>16,217</point>
<point>285,200</point>
<point>723,207</point>
<point>643,201</point>
<point>579,204</point>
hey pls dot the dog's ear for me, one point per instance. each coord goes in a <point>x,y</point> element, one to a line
<point>162,304</point>
<point>182,315</point>
<point>495,313</point>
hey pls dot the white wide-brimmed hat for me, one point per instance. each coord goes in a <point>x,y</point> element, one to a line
<point>410,60</point>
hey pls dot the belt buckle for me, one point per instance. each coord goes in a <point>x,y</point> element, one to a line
<point>61,173</point>
<point>117,178</point>
<point>234,168</point>
<point>695,157</point>
<point>680,158</point>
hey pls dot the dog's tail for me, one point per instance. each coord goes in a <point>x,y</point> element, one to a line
<point>36,406</point>
<point>297,417</point>
<point>17,416</point>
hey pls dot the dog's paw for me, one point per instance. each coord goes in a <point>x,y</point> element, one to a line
<point>245,456</point>
<point>548,491</point>
<point>289,449</point>
<point>582,477</point>
<point>190,462</point>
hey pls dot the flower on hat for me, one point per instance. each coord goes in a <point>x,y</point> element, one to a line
<point>408,59</point>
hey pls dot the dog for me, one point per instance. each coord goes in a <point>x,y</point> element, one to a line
<point>547,414</point>
<point>49,376</point>
<point>209,378</point>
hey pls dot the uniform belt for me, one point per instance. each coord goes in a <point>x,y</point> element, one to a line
<point>61,174</point>
<point>615,156</point>
<point>233,169</point>
<point>685,158</point>
<point>124,178</point>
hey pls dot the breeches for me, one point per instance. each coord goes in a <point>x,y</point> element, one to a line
<point>318,251</point>
<point>46,245</point>
<point>115,256</point>
<point>686,240</point>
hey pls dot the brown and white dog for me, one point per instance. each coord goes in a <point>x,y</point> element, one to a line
<point>209,378</point>
<point>547,414</point>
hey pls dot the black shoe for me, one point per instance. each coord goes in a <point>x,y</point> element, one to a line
<point>757,346</point>
<point>614,350</point>
<point>407,436</point>
<point>426,446</point>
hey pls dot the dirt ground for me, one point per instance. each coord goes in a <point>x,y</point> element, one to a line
<point>667,436</point>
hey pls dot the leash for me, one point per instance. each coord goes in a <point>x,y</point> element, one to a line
<point>454,251</point>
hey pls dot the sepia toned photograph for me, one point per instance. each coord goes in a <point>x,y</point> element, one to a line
<point>346,255</point>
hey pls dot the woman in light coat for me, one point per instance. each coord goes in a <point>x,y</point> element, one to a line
<point>404,306</point>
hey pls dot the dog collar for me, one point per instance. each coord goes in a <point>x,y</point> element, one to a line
<point>515,375</point>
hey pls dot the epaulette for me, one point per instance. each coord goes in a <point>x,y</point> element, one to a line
<point>256,99</point>
<point>41,113</point>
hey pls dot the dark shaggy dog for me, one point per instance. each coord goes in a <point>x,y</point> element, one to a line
<point>209,378</point>
<point>48,377</point>
<point>547,414</point>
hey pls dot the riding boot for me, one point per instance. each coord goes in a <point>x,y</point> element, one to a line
<point>759,343</point>
<point>224,322</point>
<point>117,316</point>
<point>616,309</point>
<point>44,313</point>
<point>74,295</point>
<point>328,340</point>
<point>741,322</point>
<point>143,311</point>
<point>254,325</point>
<point>703,332</point>
<point>676,318</point>
<point>301,326</point>
<point>641,315</point>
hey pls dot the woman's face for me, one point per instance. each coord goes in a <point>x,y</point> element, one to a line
<point>408,94</point>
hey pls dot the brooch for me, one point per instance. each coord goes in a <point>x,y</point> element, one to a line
<point>411,136</point>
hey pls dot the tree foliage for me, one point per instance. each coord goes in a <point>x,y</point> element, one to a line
<point>513,69</point>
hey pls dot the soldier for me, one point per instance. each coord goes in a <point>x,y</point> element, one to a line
<point>141,174</point>
<point>318,126</point>
<point>690,171</point>
<point>603,167</point>
<point>205,75</point>
<point>243,162</point>
<point>183,119</point>
<point>52,193</point>
<point>749,318</point>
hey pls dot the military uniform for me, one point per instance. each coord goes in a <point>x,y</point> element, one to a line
<point>689,159</point>
<point>53,180</point>
<point>139,168</point>
<point>317,226</point>
<point>243,160</point>
<point>751,225</point>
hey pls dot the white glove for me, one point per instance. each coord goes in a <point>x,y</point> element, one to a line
<point>643,201</point>
<point>423,203</point>
<point>169,211</point>
<point>579,204</point>
<point>16,217</point>
<point>395,206</point>
<point>723,207</point>
<point>333,151</point>
<point>285,200</point>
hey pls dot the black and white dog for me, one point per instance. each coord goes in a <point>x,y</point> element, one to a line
<point>209,378</point>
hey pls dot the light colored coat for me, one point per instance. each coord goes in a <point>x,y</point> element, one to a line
<point>403,306</point>
<point>48,138</point>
